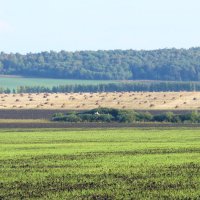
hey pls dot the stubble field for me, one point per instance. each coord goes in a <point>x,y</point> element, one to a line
<point>100,164</point>
<point>85,101</point>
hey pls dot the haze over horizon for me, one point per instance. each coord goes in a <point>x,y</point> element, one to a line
<point>35,26</point>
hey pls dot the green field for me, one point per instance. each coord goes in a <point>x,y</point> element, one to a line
<point>15,82</point>
<point>100,164</point>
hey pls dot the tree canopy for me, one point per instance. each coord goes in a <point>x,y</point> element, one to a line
<point>164,64</point>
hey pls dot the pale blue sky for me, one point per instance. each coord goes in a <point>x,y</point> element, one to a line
<point>43,25</point>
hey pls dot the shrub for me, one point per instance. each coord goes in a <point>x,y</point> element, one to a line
<point>111,111</point>
<point>105,118</point>
<point>159,118</point>
<point>58,117</point>
<point>87,117</point>
<point>72,118</point>
<point>144,116</point>
<point>125,116</point>
<point>96,118</point>
<point>169,116</point>
<point>194,117</point>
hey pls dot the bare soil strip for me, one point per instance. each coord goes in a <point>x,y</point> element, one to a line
<point>94,125</point>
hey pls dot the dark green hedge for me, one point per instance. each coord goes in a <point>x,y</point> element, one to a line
<point>150,86</point>
<point>125,116</point>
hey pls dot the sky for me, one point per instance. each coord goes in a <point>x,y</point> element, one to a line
<point>73,25</point>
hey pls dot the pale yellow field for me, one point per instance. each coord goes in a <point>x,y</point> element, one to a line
<point>82,101</point>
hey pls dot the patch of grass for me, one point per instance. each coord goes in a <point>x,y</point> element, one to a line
<point>100,164</point>
<point>15,82</point>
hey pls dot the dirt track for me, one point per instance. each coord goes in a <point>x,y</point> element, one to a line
<point>94,125</point>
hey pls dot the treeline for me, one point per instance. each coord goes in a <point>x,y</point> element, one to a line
<point>164,64</point>
<point>110,87</point>
<point>125,116</point>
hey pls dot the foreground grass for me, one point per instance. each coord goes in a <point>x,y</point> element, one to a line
<point>100,164</point>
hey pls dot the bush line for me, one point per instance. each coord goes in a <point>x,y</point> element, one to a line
<point>125,116</point>
<point>110,87</point>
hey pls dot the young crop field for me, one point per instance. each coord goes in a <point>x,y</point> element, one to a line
<point>13,82</point>
<point>100,164</point>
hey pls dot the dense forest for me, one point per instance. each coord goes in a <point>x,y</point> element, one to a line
<point>164,64</point>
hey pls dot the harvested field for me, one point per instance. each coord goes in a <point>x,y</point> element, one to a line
<point>84,101</point>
